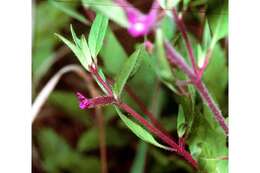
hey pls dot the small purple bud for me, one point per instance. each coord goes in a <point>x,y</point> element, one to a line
<point>84,103</point>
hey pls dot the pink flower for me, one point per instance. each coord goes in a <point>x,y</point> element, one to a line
<point>139,24</point>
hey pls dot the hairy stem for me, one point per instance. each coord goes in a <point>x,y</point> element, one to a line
<point>183,30</point>
<point>181,151</point>
<point>143,108</point>
<point>159,134</point>
<point>176,59</point>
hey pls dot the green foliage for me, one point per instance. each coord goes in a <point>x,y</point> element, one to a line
<point>181,125</point>
<point>168,27</point>
<point>80,48</point>
<point>128,69</point>
<point>218,21</point>
<point>109,9</point>
<point>69,9</point>
<point>160,63</point>
<point>207,38</point>
<point>207,143</point>
<point>216,76</point>
<point>139,161</point>
<point>97,34</point>
<point>43,40</point>
<point>112,54</point>
<point>59,156</point>
<point>186,3</point>
<point>139,131</point>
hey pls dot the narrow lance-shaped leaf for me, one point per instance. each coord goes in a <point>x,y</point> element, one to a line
<point>218,21</point>
<point>75,50</point>
<point>97,34</point>
<point>80,48</point>
<point>128,68</point>
<point>74,36</point>
<point>85,50</point>
<point>140,131</point>
<point>181,127</point>
<point>206,36</point>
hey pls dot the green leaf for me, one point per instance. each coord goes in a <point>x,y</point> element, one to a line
<point>168,27</point>
<point>76,50</point>
<point>85,50</point>
<point>112,54</point>
<point>81,49</point>
<point>202,142</point>
<point>139,161</point>
<point>218,21</point>
<point>43,46</point>
<point>206,36</point>
<point>75,38</point>
<point>139,131</point>
<point>69,9</point>
<point>97,34</point>
<point>160,63</point>
<point>201,55</point>
<point>110,9</point>
<point>186,3</point>
<point>216,77</point>
<point>181,125</point>
<point>127,69</point>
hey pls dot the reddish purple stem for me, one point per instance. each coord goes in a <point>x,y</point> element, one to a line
<point>176,59</point>
<point>183,31</point>
<point>159,134</point>
<point>94,71</point>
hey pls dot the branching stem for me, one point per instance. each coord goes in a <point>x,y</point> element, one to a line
<point>176,59</point>
<point>159,134</point>
<point>180,150</point>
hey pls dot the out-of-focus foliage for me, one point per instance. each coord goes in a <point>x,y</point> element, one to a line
<point>59,156</point>
<point>179,109</point>
<point>108,8</point>
<point>47,21</point>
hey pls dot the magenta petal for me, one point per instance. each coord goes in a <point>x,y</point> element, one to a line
<point>140,25</point>
<point>84,103</point>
